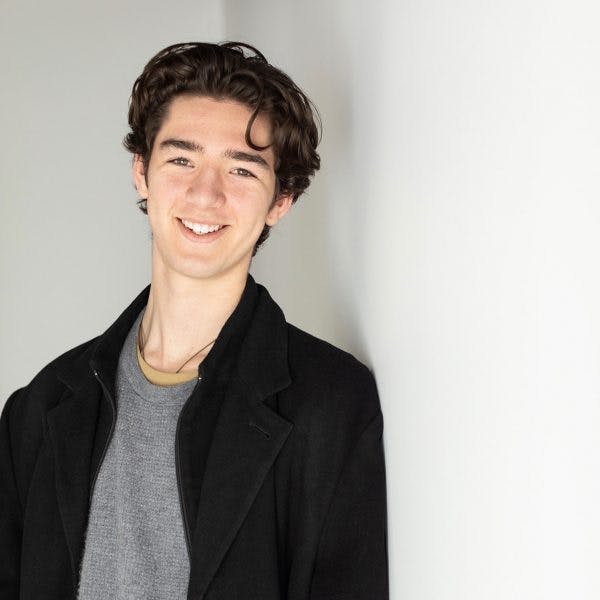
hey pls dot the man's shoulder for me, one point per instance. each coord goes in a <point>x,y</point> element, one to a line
<point>330,388</point>
<point>309,357</point>
<point>309,352</point>
<point>47,385</point>
<point>72,368</point>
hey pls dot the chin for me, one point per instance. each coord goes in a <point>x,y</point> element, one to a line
<point>213,272</point>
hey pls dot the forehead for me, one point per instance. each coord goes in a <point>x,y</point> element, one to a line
<point>207,120</point>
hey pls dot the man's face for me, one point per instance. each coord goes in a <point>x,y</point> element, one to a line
<point>209,194</point>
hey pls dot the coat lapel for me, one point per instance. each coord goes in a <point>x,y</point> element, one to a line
<point>72,428</point>
<point>247,439</point>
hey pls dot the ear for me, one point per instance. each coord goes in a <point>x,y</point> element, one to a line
<point>278,209</point>
<point>139,176</point>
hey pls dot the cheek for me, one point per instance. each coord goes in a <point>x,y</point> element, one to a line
<point>166,185</point>
<point>163,194</point>
<point>159,204</point>
<point>251,209</point>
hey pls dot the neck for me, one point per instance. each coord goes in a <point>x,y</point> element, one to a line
<point>185,314</point>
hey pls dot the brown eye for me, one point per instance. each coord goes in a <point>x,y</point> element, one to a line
<point>243,172</point>
<point>184,162</point>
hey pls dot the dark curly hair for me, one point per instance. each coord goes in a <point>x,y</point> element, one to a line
<point>224,72</point>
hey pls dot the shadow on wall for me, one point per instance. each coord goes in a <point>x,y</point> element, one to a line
<point>314,261</point>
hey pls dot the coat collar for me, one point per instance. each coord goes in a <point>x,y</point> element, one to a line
<point>257,327</point>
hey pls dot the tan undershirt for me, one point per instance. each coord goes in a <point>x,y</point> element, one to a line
<point>160,377</point>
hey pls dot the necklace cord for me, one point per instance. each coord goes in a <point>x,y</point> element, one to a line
<point>142,345</point>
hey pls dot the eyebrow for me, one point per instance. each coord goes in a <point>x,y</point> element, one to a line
<point>181,144</point>
<point>247,157</point>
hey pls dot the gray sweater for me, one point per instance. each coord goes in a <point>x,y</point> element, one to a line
<point>135,543</point>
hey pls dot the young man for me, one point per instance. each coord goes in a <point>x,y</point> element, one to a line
<point>201,447</point>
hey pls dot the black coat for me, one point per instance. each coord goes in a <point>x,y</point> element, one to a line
<point>279,457</point>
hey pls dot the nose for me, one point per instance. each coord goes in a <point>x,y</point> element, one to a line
<point>206,186</point>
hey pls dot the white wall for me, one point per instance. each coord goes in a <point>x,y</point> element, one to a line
<point>455,232</point>
<point>451,241</point>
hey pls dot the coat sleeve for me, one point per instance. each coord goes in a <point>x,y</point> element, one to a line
<point>10,510</point>
<point>352,562</point>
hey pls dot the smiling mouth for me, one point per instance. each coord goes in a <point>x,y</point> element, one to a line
<point>201,228</point>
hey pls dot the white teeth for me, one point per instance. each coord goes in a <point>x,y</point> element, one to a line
<point>200,228</point>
